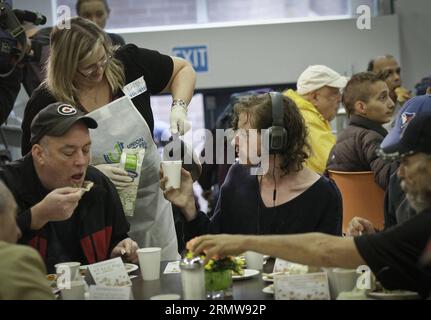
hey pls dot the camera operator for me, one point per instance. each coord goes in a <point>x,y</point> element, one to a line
<point>15,50</point>
<point>9,88</point>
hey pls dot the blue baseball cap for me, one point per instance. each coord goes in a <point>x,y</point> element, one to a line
<point>422,86</point>
<point>411,108</point>
<point>415,136</point>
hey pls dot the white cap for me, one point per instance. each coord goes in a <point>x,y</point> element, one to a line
<point>318,76</point>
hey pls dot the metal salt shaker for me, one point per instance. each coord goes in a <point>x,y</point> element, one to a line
<point>193,279</point>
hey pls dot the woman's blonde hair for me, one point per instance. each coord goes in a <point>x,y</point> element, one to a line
<point>69,47</point>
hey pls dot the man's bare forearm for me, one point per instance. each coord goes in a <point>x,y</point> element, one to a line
<point>315,249</point>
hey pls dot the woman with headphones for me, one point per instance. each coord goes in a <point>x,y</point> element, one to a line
<point>285,197</point>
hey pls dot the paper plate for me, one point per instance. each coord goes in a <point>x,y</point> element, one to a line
<point>169,296</point>
<point>394,295</point>
<point>267,279</point>
<point>248,273</point>
<point>130,267</point>
<point>269,289</point>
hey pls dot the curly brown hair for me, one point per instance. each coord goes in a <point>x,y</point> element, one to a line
<point>258,109</point>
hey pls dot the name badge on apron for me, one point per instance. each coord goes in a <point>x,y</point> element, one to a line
<point>135,88</point>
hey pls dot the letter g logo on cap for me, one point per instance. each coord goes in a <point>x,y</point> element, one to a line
<point>66,110</point>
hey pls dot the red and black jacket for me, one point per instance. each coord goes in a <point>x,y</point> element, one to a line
<point>100,217</point>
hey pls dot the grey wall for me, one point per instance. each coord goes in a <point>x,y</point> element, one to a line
<point>278,53</point>
<point>414,31</point>
<point>237,55</point>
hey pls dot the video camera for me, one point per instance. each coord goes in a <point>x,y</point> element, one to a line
<point>13,41</point>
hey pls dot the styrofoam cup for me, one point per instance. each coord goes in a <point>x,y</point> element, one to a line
<point>76,291</point>
<point>172,170</point>
<point>68,271</point>
<point>343,280</point>
<point>254,260</point>
<point>149,262</point>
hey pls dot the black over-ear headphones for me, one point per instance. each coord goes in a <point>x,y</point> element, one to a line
<point>277,131</point>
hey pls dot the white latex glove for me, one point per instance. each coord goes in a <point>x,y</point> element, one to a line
<point>178,120</point>
<point>118,177</point>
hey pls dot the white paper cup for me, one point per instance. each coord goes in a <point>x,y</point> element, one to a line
<point>75,292</point>
<point>331,282</point>
<point>67,271</point>
<point>149,262</point>
<point>343,280</point>
<point>172,170</point>
<point>254,260</point>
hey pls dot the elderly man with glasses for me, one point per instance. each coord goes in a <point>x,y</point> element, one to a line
<point>318,97</point>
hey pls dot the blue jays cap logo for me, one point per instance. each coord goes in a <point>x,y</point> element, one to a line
<point>406,117</point>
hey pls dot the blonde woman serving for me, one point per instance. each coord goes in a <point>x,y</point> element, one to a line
<point>85,70</point>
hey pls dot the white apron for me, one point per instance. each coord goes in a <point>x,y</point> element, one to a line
<point>122,126</point>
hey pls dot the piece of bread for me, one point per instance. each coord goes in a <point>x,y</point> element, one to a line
<point>87,185</point>
<point>402,94</point>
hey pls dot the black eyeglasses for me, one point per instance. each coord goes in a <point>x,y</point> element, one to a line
<point>86,73</point>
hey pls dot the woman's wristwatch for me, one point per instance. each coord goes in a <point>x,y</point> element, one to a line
<point>179,103</point>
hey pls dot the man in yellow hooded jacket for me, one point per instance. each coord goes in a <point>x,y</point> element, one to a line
<point>318,97</point>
